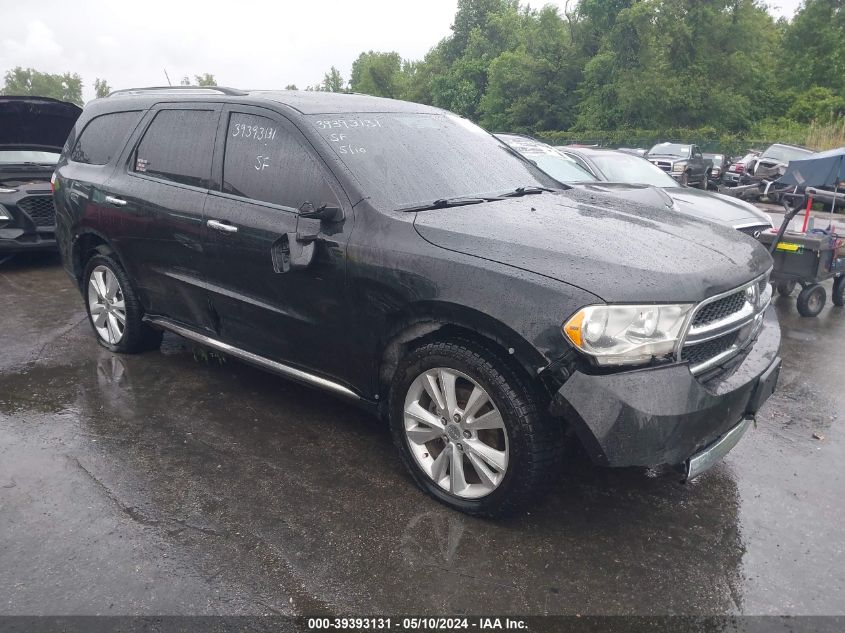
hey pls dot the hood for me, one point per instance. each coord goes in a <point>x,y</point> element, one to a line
<point>37,123</point>
<point>643,194</point>
<point>667,156</point>
<point>716,207</point>
<point>619,251</point>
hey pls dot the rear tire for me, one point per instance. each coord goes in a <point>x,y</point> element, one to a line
<point>811,300</point>
<point>839,291</point>
<point>114,310</point>
<point>502,465</point>
<point>785,288</point>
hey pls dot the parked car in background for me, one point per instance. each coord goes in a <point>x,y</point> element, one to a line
<point>685,163</point>
<point>737,168</point>
<point>772,163</point>
<point>720,165</point>
<point>32,133</point>
<point>401,257</point>
<point>569,172</point>
<point>618,167</point>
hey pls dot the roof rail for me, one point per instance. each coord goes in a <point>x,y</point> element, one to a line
<point>219,89</point>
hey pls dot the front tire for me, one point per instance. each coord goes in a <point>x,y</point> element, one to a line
<point>114,310</point>
<point>471,430</point>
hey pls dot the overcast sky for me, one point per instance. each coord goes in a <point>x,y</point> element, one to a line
<point>246,44</point>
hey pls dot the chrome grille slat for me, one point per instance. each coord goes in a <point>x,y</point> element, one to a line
<point>720,309</point>
<point>721,326</point>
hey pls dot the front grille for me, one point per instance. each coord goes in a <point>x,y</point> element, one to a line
<point>721,309</point>
<point>40,209</point>
<point>702,352</point>
<point>665,166</point>
<point>751,230</point>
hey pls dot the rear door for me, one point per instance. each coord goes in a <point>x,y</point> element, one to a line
<point>268,171</point>
<point>86,168</point>
<point>157,200</point>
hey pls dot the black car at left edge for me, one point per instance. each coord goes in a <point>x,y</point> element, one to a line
<point>33,131</point>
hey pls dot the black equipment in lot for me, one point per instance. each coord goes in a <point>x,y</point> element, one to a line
<point>815,255</point>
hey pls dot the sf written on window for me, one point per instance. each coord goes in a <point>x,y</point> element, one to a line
<point>263,161</point>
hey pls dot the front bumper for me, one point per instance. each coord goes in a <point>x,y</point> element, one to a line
<point>19,241</point>
<point>665,415</point>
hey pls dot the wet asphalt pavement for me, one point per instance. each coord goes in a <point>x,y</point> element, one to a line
<point>169,483</point>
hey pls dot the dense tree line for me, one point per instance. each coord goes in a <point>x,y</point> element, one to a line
<point>616,65</point>
<point>707,68</point>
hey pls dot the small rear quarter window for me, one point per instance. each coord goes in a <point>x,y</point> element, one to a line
<point>103,137</point>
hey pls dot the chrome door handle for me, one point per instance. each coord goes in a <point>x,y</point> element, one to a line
<point>118,202</point>
<point>221,226</point>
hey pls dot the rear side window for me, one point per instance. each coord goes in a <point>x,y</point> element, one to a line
<point>103,137</point>
<point>178,146</point>
<point>263,161</point>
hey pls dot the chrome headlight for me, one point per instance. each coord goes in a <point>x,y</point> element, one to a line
<point>681,166</point>
<point>627,334</point>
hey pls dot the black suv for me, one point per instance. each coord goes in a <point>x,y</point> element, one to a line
<point>32,133</point>
<point>399,256</point>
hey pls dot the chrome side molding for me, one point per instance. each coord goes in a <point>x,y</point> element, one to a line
<point>253,359</point>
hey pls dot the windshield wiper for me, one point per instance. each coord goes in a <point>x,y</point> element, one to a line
<point>444,203</point>
<point>526,191</point>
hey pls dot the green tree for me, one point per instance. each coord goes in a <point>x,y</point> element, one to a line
<point>291,87</point>
<point>28,81</point>
<point>814,46</point>
<point>101,87</point>
<point>205,79</point>
<point>377,74</point>
<point>482,31</point>
<point>680,63</point>
<point>333,81</point>
<point>534,87</point>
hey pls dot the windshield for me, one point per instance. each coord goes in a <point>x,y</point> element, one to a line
<point>784,154</point>
<point>17,157</point>
<point>670,149</point>
<point>632,170</point>
<point>409,159</point>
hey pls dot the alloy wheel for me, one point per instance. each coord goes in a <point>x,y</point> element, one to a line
<point>107,305</point>
<point>456,433</point>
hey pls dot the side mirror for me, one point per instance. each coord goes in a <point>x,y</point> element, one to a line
<point>325,213</point>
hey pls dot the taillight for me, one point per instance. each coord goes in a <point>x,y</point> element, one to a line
<point>739,168</point>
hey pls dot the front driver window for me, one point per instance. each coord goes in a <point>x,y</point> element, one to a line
<point>264,161</point>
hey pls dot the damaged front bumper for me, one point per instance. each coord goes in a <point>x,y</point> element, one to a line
<point>665,415</point>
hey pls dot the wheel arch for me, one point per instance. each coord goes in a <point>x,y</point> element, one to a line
<point>87,243</point>
<point>430,320</point>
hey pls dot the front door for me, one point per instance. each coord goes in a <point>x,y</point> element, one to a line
<point>267,172</point>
